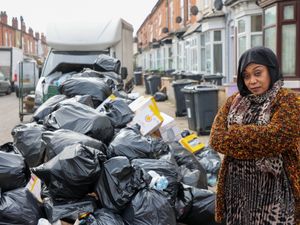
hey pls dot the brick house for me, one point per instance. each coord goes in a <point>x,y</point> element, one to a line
<point>11,36</point>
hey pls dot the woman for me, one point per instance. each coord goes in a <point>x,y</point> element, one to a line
<point>258,131</point>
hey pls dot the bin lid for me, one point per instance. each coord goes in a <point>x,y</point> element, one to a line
<point>151,77</point>
<point>213,76</point>
<point>184,81</point>
<point>198,88</point>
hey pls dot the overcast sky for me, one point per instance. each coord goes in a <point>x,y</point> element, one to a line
<point>37,13</point>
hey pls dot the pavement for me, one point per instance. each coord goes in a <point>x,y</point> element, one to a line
<point>169,108</point>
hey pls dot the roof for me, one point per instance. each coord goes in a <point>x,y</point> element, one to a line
<point>195,27</point>
<point>82,35</point>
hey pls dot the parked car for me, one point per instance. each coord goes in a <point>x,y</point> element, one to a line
<point>5,86</point>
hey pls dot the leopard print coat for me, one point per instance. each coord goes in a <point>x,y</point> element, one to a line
<point>281,136</point>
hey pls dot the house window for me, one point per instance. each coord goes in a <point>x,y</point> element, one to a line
<point>158,58</point>
<point>256,30</point>
<point>194,45</point>
<point>207,52</point>
<point>241,37</point>
<point>288,12</point>
<point>170,58</point>
<point>202,50</point>
<point>288,41</point>
<point>288,54</point>
<point>270,28</point>
<point>217,46</point>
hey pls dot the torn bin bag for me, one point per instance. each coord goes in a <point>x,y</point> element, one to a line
<point>83,119</point>
<point>27,139</point>
<point>186,158</point>
<point>54,142</point>
<point>69,210</point>
<point>149,207</point>
<point>19,207</point>
<point>163,168</point>
<point>118,182</point>
<point>72,173</point>
<point>104,217</point>
<point>14,172</point>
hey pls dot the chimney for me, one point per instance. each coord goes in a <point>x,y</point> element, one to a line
<point>37,35</point>
<point>30,31</point>
<point>3,17</point>
<point>43,39</point>
<point>15,23</point>
<point>23,27</point>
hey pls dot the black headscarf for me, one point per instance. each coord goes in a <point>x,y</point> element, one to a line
<point>259,55</point>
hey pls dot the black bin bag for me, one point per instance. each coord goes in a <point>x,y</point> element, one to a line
<point>131,143</point>
<point>68,210</point>
<point>27,139</point>
<point>163,168</point>
<point>83,119</point>
<point>106,75</point>
<point>54,142</point>
<point>72,173</point>
<point>149,207</point>
<point>97,88</point>
<point>107,63</point>
<point>211,162</point>
<point>118,182</point>
<point>20,207</point>
<point>192,171</point>
<point>14,173</point>
<point>118,112</point>
<point>195,206</point>
<point>104,217</point>
<point>83,99</point>
<point>47,107</point>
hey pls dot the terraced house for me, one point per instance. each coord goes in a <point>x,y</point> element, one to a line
<point>208,36</point>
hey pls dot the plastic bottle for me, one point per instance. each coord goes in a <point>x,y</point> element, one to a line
<point>158,182</point>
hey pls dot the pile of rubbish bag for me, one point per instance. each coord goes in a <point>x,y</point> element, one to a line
<point>80,160</point>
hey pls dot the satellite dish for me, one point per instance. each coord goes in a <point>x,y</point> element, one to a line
<point>178,19</point>
<point>218,4</point>
<point>194,10</point>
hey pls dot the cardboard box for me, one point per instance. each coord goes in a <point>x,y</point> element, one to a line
<point>168,129</point>
<point>147,114</point>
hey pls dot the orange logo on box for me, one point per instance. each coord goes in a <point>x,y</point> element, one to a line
<point>148,118</point>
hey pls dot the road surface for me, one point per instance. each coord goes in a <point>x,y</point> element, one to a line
<point>9,116</point>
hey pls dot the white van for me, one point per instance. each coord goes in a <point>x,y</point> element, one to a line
<point>74,46</point>
<point>26,77</point>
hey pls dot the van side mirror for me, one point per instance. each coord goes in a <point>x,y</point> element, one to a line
<point>124,73</point>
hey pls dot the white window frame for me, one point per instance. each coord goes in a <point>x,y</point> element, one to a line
<point>247,34</point>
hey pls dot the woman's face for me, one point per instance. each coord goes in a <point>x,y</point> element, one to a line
<point>257,78</point>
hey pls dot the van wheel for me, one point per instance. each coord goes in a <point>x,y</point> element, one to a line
<point>8,91</point>
<point>17,92</point>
